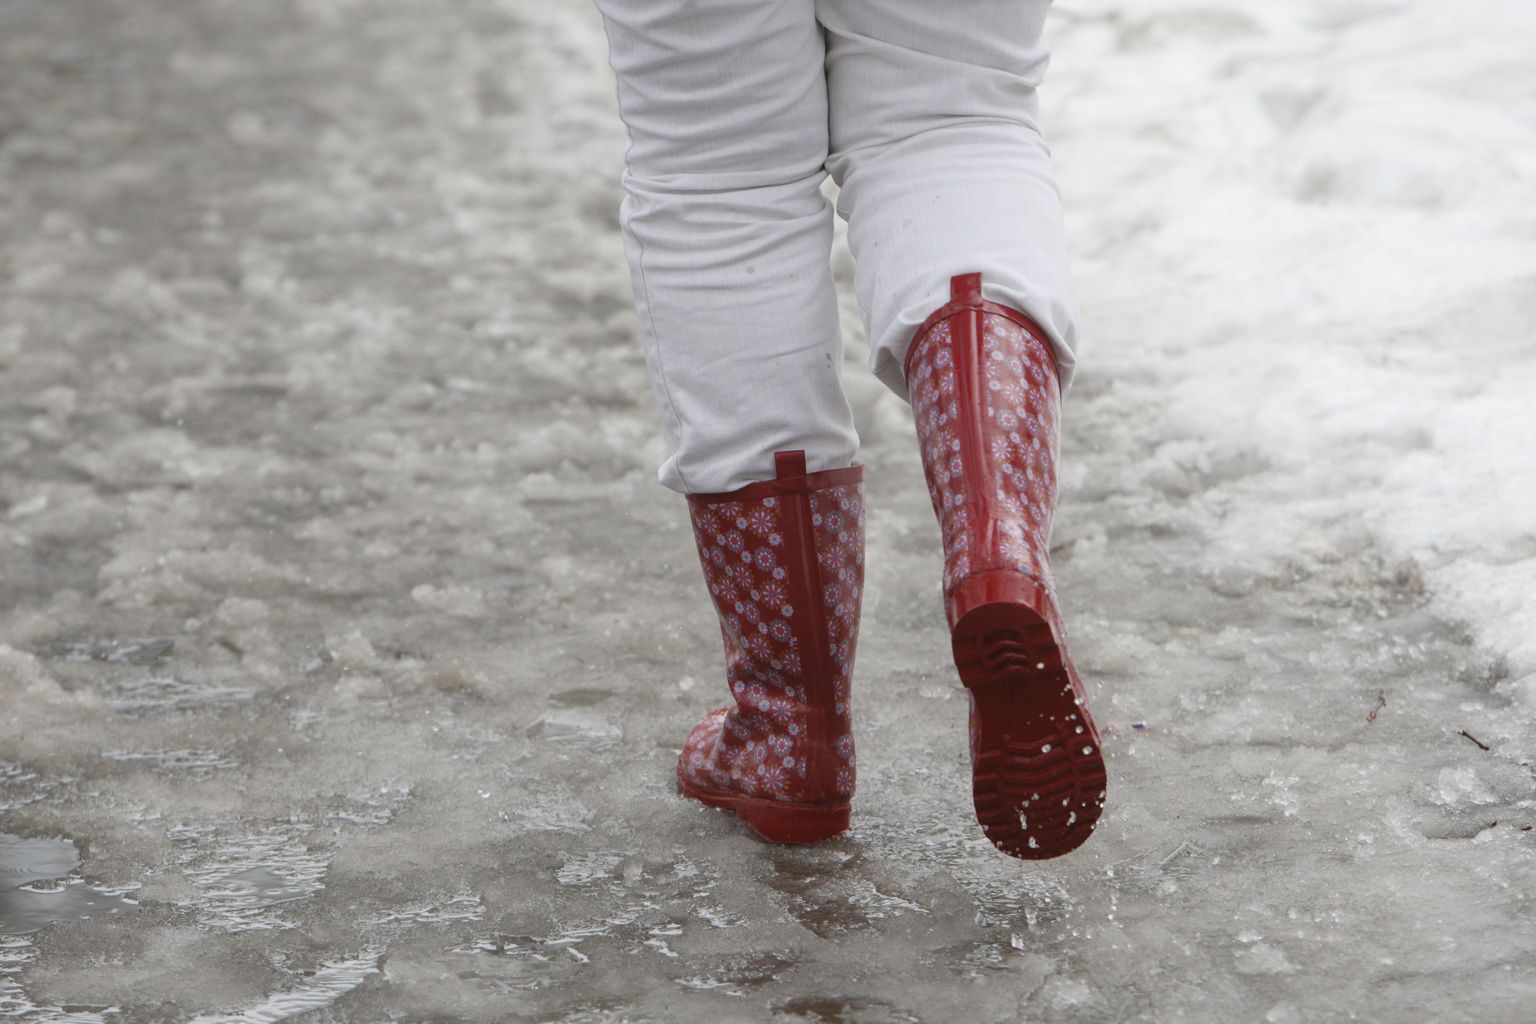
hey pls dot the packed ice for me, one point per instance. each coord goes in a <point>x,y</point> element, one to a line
<point>347,642</point>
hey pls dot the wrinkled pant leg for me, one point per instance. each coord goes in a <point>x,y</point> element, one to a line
<point>935,142</point>
<point>728,235</point>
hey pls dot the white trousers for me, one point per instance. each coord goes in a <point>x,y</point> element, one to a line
<point>924,112</point>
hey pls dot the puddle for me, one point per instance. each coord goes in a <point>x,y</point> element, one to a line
<point>35,860</point>
<point>31,907</point>
<point>36,887</point>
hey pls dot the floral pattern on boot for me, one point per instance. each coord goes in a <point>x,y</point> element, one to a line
<point>936,410</point>
<point>1019,404</point>
<point>1021,407</point>
<point>788,736</point>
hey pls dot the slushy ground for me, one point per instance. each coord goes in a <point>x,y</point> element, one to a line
<point>349,641</point>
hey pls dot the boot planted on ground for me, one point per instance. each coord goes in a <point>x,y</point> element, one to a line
<point>784,561</point>
<point>985,393</point>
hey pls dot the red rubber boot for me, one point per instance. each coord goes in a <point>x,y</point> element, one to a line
<point>784,560</point>
<point>985,394</point>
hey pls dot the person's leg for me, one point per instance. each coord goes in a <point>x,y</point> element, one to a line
<point>728,234</point>
<point>962,275</point>
<point>936,146</point>
<point>729,237</point>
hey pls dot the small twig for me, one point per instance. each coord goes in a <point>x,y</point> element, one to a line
<point>1474,739</point>
<point>1381,702</point>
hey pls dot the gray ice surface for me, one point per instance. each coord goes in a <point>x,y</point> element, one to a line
<point>346,640</point>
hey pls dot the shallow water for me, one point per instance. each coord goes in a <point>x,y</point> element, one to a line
<point>38,887</point>
<point>346,640</point>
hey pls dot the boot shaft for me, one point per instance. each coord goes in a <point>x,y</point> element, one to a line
<point>986,402</point>
<point>784,562</point>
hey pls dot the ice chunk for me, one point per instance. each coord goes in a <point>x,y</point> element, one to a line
<point>575,725</point>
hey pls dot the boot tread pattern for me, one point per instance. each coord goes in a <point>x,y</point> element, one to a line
<point>1038,779</point>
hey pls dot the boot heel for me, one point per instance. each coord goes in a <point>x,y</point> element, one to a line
<point>1002,586</point>
<point>778,821</point>
<point>1002,629</point>
<point>796,825</point>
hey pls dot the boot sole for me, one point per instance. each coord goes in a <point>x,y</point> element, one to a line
<point>1038,775</point>
<point>778,821</point>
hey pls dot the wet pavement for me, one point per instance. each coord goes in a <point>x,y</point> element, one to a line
<point>347,641</point>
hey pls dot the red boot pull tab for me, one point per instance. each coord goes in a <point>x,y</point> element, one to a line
<point>789,464</point>
<point>965,288</point>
